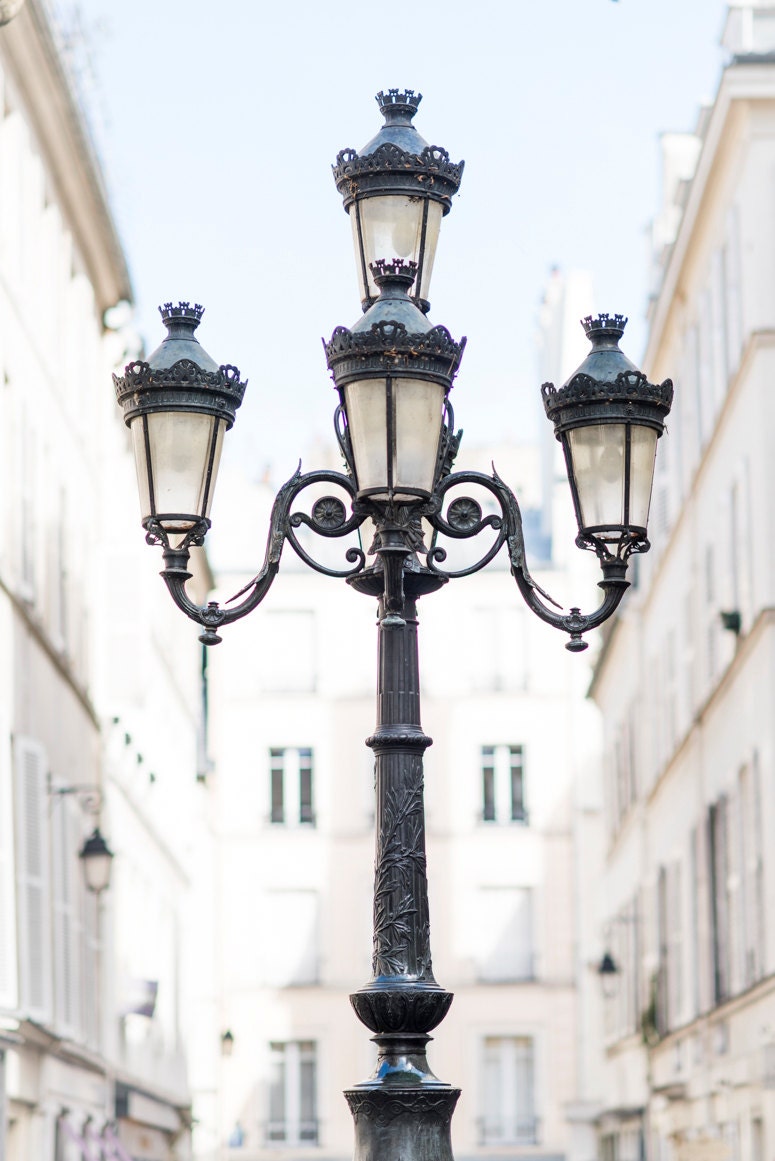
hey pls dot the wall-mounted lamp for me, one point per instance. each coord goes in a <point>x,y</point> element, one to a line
<point>95,854</point>
<point>609,971</point>
<point>731,621</point>
<point>88,795</point>
<point>227,1042</point>
<point>97,861</point>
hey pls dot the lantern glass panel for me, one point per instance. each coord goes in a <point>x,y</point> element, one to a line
<point>394,428</point>
<point>391,226</point>
<point>419,410</point>
<point>97,869</point>
<point>597,456</point>
<point>182,449</point>
<point>643,451</point>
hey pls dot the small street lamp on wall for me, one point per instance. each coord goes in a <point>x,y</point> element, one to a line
<point>97,862</point>
<point>95,854</point>
<point>394,371</point>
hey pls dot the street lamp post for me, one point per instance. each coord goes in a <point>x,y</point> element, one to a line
<point>393,371</point>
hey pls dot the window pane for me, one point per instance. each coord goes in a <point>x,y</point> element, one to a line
<point>488,789</point>
<point>598,465</point>
<point>306,813</point>
<point>277,777</point>
<point>308,1129</point>
<point>518,813</point>
<point>277,1126</point>
<point>508,1108</point>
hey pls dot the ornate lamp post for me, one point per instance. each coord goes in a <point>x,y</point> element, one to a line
<point>393,371</point>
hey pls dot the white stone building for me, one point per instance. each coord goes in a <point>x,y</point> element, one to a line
<point>293,700</point>
<point>686,680</point>
<point>90,1009</point>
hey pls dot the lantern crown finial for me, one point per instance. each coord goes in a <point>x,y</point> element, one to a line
<point>398,107</point>
<point>183,312</point>
<point>396,272</point>
<point>604,326</point>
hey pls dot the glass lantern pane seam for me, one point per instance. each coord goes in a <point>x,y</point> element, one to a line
<point>209,471</point>
<point>149,466</point>
<point>627,463</point>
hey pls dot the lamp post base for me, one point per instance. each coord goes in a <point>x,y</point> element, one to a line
<point>404,1112</point>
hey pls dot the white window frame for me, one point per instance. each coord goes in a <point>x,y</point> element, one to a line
<point>296,1132</point>
<point>289,763</point>
<point>516,1122</point>
<point>33,879</point>
<point>503,760</point>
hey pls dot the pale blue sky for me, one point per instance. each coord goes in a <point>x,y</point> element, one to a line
<point>223,121</point>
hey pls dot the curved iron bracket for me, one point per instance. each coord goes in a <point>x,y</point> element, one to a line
<point>328,518</point>
<point>465,519</point>
<point>399,538</point>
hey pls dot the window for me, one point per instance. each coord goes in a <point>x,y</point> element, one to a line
<point>669,932</point>
<point>623,780</point>
<point>495,649</point>
<point>504,934</point>
<point>508,1092</point>
<point>624,1006</point>
<point>503,784</point>
<point>291,957</point>
<point>291,786</point>
<point>32,879</point>
<point>719,897</point>
<point>711,613</point>
<point>751,872</point>
<point>288,654</point>
<point>623,1145</point>
<point>293,1093</point>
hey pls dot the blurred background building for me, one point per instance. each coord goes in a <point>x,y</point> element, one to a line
<point>292,700</point>
<point>92,987</point>
<point>209,981</point>
<point>685,679</point>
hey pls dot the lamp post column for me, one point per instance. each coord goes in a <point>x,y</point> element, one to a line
<point>403,1110</point>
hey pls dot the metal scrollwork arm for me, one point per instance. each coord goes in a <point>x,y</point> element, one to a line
<point>328,518</point>
<point>464,519</point>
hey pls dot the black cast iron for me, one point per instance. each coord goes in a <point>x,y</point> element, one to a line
<point>403,1110</point>
<point>398,161</point>
<point>180,375</point>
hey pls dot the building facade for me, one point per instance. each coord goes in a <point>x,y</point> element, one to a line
<point>685,681</point>
<point>293,700</point>
<point>91,1020</point>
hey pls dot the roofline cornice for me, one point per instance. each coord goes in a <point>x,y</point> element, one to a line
<point>740,83</point>
<point>30,54</point>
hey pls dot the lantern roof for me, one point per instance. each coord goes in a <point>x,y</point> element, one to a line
<point>394,304</point>
<point>607,387</point>
<point>398,109</point>
<point>180,342</point>
<point>393,335</point>
<point>398,160</point>
<point>179,374</point>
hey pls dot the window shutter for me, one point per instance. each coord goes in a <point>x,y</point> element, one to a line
<point>8,974</point>
<point>68,933</point>
<point>91,984</point>
<point>33,879</point>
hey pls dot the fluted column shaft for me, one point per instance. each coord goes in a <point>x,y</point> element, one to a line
<point>402,1111</point>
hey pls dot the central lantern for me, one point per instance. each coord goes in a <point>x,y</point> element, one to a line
<point>393,372</point>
